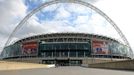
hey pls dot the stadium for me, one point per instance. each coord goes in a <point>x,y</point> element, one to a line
<point>66,49</point>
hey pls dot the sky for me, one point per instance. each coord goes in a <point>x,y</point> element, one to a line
<point>63,17</point>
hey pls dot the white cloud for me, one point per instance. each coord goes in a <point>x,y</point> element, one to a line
<point>85,22</point>
<point>94,24</point>
<point>33,27</point>
<point>122,13</point>
<point>62,13</point>
<point>11,12</point>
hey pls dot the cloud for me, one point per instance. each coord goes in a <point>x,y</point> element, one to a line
<point>62,13</point>
<point>121,12</point>
<point>11,12</point>
<point>83,19</point>
<point>91,1</point>
<point>66,18</point>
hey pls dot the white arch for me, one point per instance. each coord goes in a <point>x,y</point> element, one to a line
<point>70,1</point>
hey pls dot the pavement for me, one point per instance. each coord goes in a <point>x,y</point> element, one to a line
<point>6,65</point>
<point>69,70</point>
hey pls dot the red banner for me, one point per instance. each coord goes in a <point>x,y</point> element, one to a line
<point>29,48</point>
<point>100,47</point>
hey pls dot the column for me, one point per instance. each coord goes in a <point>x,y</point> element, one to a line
<point>52,54</point>
<point>84,53</point>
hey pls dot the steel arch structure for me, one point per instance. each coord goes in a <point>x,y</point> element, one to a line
<point>69,1</point>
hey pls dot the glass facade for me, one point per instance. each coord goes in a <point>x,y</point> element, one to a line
<point>65,49</point>
<point>12,51</point>
<point>118,49</point>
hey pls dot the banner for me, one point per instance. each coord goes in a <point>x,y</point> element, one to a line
<point>29,48</point>
<point>100,47</point>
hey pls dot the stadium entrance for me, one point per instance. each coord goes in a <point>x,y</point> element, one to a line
<point>63,62</point>
<point>68,62</point>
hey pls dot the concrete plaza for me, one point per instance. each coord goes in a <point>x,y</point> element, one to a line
<point>69,70</point>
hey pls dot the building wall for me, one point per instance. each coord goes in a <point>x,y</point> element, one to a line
<point>98,46</point>
<point>124,65</point>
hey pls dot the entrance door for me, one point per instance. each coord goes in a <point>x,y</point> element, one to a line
<point>62,62</point>
<point>69,62</point>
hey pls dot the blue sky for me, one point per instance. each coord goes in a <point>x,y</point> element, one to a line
<point>62,17</point>
<point>49,15</point>
<point>66,17</point>
<point>32,4</point>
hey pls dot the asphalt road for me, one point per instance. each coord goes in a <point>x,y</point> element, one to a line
<point>72,70</point>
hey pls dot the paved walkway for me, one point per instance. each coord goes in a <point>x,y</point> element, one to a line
<point>73,70</point>
<point>5,65</point>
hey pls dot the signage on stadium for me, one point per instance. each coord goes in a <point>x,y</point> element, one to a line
<point>29,48</point>
<point>100,47</point>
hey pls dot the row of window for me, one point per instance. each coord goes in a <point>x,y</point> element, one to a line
<point>65,46</point>
<point>66,54</point>
<point>66,40</point>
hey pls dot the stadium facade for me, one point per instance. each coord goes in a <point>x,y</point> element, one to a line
<point>65,48</point>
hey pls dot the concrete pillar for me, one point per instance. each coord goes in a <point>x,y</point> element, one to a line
<point>52,54</point>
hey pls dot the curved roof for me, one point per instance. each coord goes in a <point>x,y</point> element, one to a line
<point>66,34</point>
